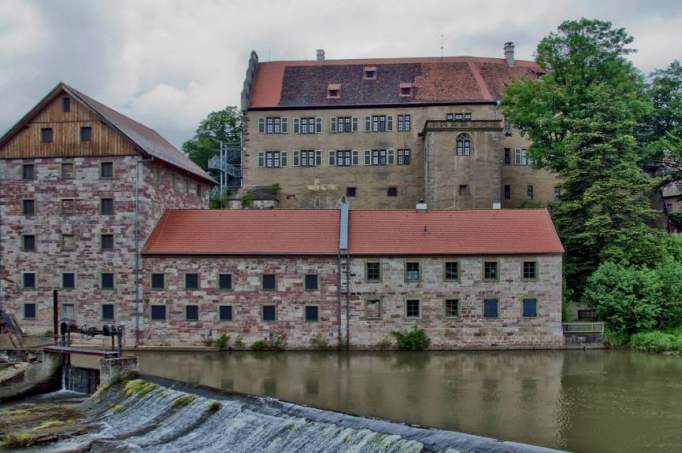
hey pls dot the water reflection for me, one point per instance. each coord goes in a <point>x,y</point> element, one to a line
<point>582,401</point>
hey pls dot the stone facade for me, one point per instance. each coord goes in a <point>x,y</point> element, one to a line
<point>368,328</point>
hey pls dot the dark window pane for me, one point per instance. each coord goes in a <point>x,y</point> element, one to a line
<point>490,308</point>
<point>107,170</point>
<point>29,207</point>
<point>412,308</point>
<point>373,272</point>
<point>66,104</point>
<point>507,156</point>
<point>225,312</point>
<point>507,192</point>
<point>490,270</point>
<point>107,206</point>
<point>86,134</point>
<point>311,281</point>
<point>530,308</point>
<point>107,242</point>
<point>225,281</point>
<point>27,171</point>
<point>192,312</point>
<point>191,281</point>
<point>269,313</point>
<point>158,281</point>
<point>412,272</point>
<point>29,243</point>
<point>29,311</point>
<point>68,280</point>
<point>46,135</point>
<point>311,313</point>
<point>451,271</point>
<point>269,281</point>
<point>350,191</point>
<point>107,280</point>
<point>452,308</point>
<point>158,312</point>
<point>392,192</point>
<point>107,312</point>
<point>29,280</point>
<point>529,270</point>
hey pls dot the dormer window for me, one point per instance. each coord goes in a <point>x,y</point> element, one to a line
<point>370,73</point>
<point>333,91</point>
<point>405,89</point>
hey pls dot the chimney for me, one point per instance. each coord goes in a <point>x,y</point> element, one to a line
<point>509,53</point>
<point>320,55</point>
<point>421,206</point>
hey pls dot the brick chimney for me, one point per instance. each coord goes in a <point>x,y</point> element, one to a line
<point>320,55</point>
<point>509,53</point>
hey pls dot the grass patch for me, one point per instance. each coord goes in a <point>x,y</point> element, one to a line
<point>184,400</point>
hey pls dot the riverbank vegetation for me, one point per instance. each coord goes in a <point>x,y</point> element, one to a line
<point>613,138</point>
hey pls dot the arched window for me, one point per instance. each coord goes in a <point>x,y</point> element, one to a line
<point>463,145</point>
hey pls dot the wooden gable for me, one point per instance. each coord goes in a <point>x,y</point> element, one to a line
<point>26,142</point>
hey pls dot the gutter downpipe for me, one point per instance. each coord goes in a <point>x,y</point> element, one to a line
<point>343,250</point>
<point>137,253</point>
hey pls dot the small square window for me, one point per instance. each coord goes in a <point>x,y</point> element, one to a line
<point>490,308</point>
<point>405,91</point>
<point>333,93</point>
<point>451,308</point>
<point>106,206</point>
<point>191,312</point>
<point>29,243</point>
<point>463,190</point>
<point>373,309</point>
<point>29,311</point>
<point>68,206</point>
<point>370,73</point>
<point>490,270</point>
<point>373,272</point>
<point>28,207</point>
<point>107,312</point>
<point>351,191</point>
<point>311,282</point>
<point>412,273</point>
<point>158,312</point>
<point>28,171</point>
<point>530,308</point>
<point>312,313</point>
<point>269,313</point>
<point>106,170</point>
<point>68,280</point>
<point>66,104</point>
<point>107,242</point>
<point>225,312</point>
<point>269,282</point>
<point>191,281</point>
<point>29,280</point>
<point>412,309</point>
<point>68,242</point>
<point>225,281</point>
<point>46,135</point>
<point>392,192</point>
<point>452,271</point>
<point>529,270</point>
<point>86,133</point>
<point>67,170</point>
<point>158,281</point>
<point>107,280</point>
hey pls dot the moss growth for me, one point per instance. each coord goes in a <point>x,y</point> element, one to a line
<point>214,406</point>
<point>18,440</point>
<point>129,375</point>
<point>138,387</point>
<point>184,400</point>
<point>49,424</point>
<point>117,408</point>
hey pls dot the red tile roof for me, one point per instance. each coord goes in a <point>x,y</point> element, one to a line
<point>245,232</point>
<point>316,232</point>
<point>435,80</point>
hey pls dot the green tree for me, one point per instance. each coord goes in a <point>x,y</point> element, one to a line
<point>224,125</point>
<point>580,116</point>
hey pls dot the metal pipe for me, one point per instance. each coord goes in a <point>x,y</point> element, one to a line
<point>55,315</point>
<point>338,298</point>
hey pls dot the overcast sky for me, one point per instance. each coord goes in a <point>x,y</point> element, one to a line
<point>168,63</point>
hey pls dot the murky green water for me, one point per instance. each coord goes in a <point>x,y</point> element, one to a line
<point>576,400</point>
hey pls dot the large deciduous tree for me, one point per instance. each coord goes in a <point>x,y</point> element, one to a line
<point>580,116</point>
<point>224,125</point>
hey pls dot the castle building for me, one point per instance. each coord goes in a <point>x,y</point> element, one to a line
<point>81,188</point>
<point>387,133</point>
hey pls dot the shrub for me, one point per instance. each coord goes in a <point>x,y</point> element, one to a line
<point>247,199</point>
<point>239,343</point>
<point>276,343</point>
<point>657,341</point>
<point>670,273</point>
<point>413,340</point>
<point>319,342</point>
<point>259,345</point>
<point>221,342</point>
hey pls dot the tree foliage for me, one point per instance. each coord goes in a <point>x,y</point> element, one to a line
<point>224,125</point>
<point>580,117</point>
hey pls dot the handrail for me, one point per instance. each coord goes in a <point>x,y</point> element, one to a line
<point>583,327</point>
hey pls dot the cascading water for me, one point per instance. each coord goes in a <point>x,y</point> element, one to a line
<point>144,416</point>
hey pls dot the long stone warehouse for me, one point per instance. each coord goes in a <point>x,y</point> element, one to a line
<point>105,210</point>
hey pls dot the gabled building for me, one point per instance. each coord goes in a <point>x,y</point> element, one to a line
<point>386,133</point>
<point>81,188</point>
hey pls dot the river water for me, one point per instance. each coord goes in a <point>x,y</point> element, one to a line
<point>604,401</point>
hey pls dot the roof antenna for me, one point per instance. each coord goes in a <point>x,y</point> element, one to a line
<point>442,45</point>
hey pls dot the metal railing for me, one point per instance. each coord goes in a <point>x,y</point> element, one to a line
<point>590,328</point>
